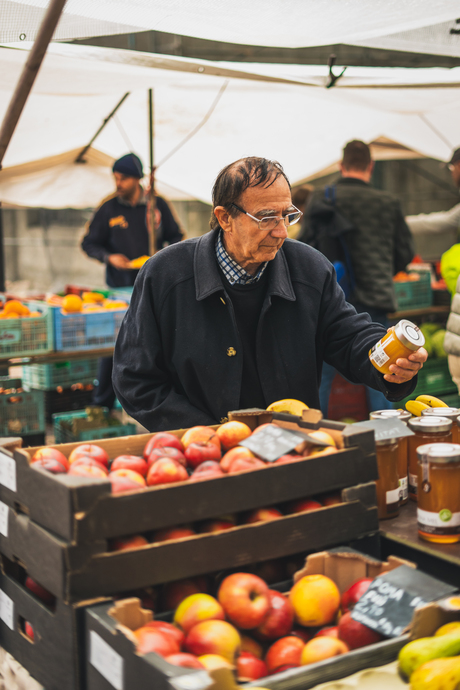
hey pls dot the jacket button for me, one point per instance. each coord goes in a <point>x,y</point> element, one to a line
<point>231,352</point>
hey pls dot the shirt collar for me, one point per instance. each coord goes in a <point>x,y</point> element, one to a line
<point>232,271</point>
<point>141,202</point>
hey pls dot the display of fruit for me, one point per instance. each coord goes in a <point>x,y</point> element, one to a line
<point>415,654</point>
<point>424,402</point>
<point>431,400</point>
<point>15,309</point>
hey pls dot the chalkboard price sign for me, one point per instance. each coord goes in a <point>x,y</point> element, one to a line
<point>271,442</point>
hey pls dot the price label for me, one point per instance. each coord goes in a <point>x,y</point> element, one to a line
<point>272,442</point>
<point>389,604</point>
<point>4,511</point>
<point>106,660</point>
<point>6,610</point>
<point>385,428</point>
<point>7,472</point>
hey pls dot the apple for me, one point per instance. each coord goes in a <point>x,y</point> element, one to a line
<point>249,667</point>
<point>214,637</point>
<point>289,457</point>
<point>216,526</point>
<point>322,436</point>
<point>245,599</point>
<point>320,648</point>
<point>354,594</point>
<point>232,433</point>
<point>173,533</point>
<point>248,644</point>
<point>39,591</point>
<point>233,454</point>
<point>331,631</point>
<point>263,515</point>
<point>322,450</point>
<point>133,542</point>
<point>94,451</point>
<point>48,453</point>
<point>167,452</point>
<point>130,462</point>
<point>88,460</point>
<point>29,631</point>
<point>196,609</point>
<point>213,662</point>
<point>303,633</point>
<point>82,469</point>
<point>315,599</point>
<point>50,465</point>
<point>207,470</point>
<point>175,592</point>
<point>279,620</point>
<point>332,499</point>
<point>166,471</point>
<point>160,440</point>
<point>286,651</point>
<point>152,640</point>
<point>355,634</point>
<point>245,464</point>
<point>200,434</point>
<point>197,453</point>
<point>185,660</point>
<point>126,480</point>
<point>167,629</point>
<point>304,505</point>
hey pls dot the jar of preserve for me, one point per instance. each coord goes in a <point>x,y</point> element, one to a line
<point>387,484</point>
<point>400,341</point>
<point>427,429</point>
<point>438,510</point>
<point>403,449</point>
<point>449,412</point>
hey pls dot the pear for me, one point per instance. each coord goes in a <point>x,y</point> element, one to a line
<point>424,649</point>
<point>438,674</point>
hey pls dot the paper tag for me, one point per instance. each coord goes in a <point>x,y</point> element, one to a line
<point>273,441</point>
<point>6,610</point>
<point>390,427</point>
<point>7,472</point>
<point>3,519</point>
<point>106,660</point>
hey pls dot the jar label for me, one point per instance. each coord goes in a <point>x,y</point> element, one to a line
<point>403,489</point>
<point>392,500</point>
<point>444,522</point>
<point>413,484</point>
<point>378,354</point>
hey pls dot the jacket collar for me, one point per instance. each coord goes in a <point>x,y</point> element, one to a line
<point>352,180</point>
<point>208,279</point>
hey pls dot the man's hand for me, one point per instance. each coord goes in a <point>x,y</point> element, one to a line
<point>120,261</point>
<point>405,369</point>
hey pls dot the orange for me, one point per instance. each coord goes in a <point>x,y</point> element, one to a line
<point>315,599</point>
<point>12,315</point>
<point>72,303</point>
<point>92,297</point>
<point>114,304</point>
<point>15,306</point>
<point>35,313</point>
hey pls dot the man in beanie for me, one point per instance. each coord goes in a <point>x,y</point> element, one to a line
<point>118,233</point>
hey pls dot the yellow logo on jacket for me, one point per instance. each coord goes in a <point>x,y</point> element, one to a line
<point>119,220</point>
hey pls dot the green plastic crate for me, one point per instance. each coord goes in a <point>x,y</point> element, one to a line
<point>65,435</point>
<point>29,335</point>
<point>21,413</point>
<point>433,379</point>
<point>414,294</point>
<point>47,377</point>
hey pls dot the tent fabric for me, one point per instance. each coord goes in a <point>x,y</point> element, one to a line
<point>436,39</point>
<point>291,24</point>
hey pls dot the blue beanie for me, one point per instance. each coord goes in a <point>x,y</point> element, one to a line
<point>129,165</point>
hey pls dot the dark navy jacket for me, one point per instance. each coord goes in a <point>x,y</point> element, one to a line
<point>178,357</point>
<point>119,228</point>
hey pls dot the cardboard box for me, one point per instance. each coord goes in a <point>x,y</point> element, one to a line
<point>82,510</point>
<point>74,572</point>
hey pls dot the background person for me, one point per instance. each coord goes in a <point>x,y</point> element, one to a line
<point>241,316</point>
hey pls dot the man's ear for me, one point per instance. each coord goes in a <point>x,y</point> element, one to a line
<point>223,217</point>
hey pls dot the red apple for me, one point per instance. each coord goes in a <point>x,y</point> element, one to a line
<point>167,629</point>
<point>355,634</point>
<point>51,453</point>
<point>185,660</point>
<point>214,637</point>
<point>166,452</point>
<point>245,464</point>
<point>207,470</point>
<point>331,631</point>
<point>280,618</point>
<point>50,465</point>
<point>263,515</point>
<point>200,434</point>
<point>304,505</point>
<point>166,471</point>
<point>233,454</point>
<point>354,593</point>
<point>133,542</point>
<point>332,499</point>
<point>245,599</point>
<point>216,525</point>
<point>232,433</point>
<point>82,469</point>
<point>249,667</point>
<point>29,631</point>
<point>248,644</point>
<point>126,480</point>
<point>284,652</point>
<point>130,462</point>
<point>161,440</point>
<point>322,648</point>
<point>197,453</point>
<point>94,451</point>
<point>87,460</point>
<point>175,592</point>
<point>152,640</point>
<point>289,457</point>
<point>195,609</point>
<point>39,591</point>
<point>303,633</point>
<point>173,533</point>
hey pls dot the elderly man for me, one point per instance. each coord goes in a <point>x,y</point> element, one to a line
<point>241,316</point>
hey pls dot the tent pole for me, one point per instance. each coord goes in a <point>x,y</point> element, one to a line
<point>2,253</point>
<point>152,202</point>
<point>81,156</point>
<point>29,73</point>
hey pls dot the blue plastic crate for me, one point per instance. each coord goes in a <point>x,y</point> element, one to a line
<point>414,294</point>
<point>86,331</point>
<point>62,434</point>
<point>29,335</point>
<point>47,377</point>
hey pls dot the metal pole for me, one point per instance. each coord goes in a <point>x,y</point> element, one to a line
<point>152,202</point>
<point>81,156</point>
<point>2,254</point>
<point>29,73</point>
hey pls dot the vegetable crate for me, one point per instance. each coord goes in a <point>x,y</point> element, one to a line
<point>64,434</point>
<point>21,413</point>
<point>29,335</point>
<point>88,331</point>
<point>47,377</point>
<point>414,294</point>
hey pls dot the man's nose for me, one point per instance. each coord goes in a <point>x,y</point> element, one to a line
<point>280,231</point>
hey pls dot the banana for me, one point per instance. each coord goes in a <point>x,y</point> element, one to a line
<point>288,405</point>
<point>431,401</point>
<point>415,407</point>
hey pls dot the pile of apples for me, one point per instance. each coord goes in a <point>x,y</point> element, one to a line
<point>201,453</point>
<point>258,630</point>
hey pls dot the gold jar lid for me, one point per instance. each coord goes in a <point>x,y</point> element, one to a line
<point>409,334</point>
<point>386,441</point>
<point>449,412</point>
<point>403,415</point>
<point>439,453</point>
<point>430,423</point>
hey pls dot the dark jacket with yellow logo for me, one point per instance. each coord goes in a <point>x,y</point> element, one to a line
<point>119,228</point>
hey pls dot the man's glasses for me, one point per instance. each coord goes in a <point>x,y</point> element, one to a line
<point>270,222</point>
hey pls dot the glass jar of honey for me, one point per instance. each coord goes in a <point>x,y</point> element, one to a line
<point>403,449</point>
<point>387,484</point>
<point>427,429</point>
<point>400,341</point>
<point>449,412</point>
<point>438,510</point>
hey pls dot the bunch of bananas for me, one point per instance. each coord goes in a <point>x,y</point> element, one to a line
<point>422,402</point>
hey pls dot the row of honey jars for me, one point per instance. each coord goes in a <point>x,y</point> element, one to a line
<point>438,479</point>
<point>402,451</point>
<point>387,485</point>
<point>427,429</point>
<point>451,413</point>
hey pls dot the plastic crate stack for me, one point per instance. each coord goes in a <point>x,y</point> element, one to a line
<point>22,413</point>
<point>66,426</point>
